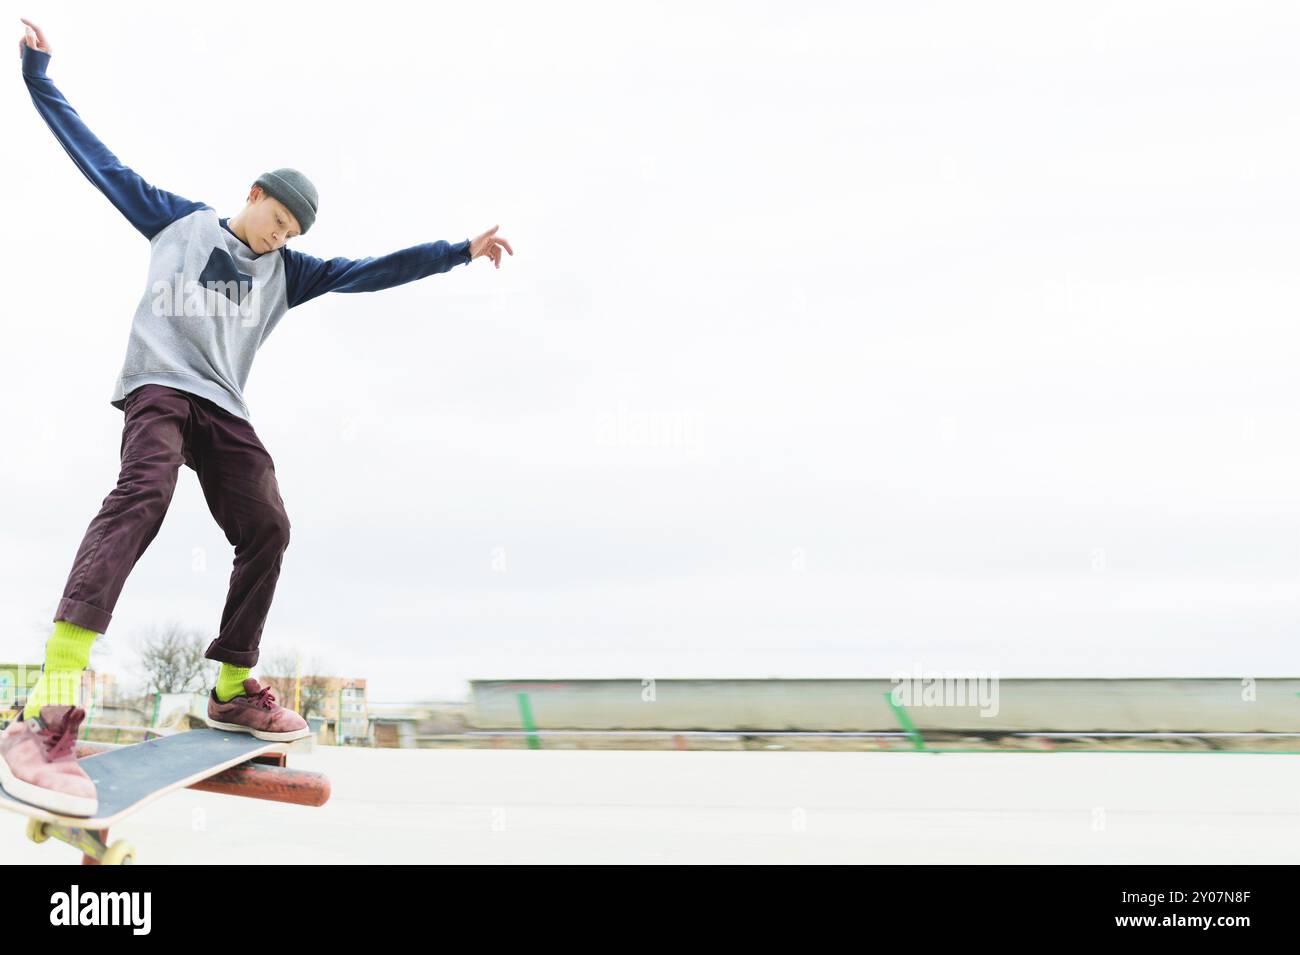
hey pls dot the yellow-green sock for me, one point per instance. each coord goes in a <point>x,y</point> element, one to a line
<point>67,654</point>
<point>230,682</point>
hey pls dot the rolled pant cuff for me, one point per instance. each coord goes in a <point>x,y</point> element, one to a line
<point>236,658</point>
<point>83,615</point>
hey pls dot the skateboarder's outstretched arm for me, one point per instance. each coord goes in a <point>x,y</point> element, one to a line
<point>146,207</point>
<point>306,276</point>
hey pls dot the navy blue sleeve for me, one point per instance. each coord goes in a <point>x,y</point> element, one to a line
<point>306,276</point>
<point>147,208</point>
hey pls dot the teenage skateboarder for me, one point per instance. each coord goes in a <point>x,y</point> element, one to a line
<point>217,288</point>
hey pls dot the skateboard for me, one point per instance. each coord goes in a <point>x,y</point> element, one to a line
<point>131,776</point>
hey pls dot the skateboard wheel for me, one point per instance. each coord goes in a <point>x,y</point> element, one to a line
<point>36,830</point>
<point>119,853</point>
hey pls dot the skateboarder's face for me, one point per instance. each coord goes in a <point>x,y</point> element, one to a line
<point>267,223</point>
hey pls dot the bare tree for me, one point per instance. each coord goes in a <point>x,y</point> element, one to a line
<point>173,662</point>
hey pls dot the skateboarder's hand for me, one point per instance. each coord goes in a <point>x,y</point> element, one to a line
<point>33,37</point>
<point>489,244</point>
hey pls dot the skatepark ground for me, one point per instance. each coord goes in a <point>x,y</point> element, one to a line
<point>545,806</point>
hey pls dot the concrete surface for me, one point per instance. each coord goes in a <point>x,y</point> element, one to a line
<point>468,806</point>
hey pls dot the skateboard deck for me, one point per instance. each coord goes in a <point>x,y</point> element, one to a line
<point>135,775</point>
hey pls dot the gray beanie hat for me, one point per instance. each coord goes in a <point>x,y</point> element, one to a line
<point>293,189</point>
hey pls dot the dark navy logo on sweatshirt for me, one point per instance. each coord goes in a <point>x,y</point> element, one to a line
<point>223,276</point>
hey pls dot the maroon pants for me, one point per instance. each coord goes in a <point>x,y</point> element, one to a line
<point>163,429</point>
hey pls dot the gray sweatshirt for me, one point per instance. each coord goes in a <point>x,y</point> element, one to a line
<point>210,300</point>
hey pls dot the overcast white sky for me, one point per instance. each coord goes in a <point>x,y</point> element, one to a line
<point>840,339</point>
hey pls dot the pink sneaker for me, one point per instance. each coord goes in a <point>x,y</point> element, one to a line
<point>38,763</point>
<point>256,712</point>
